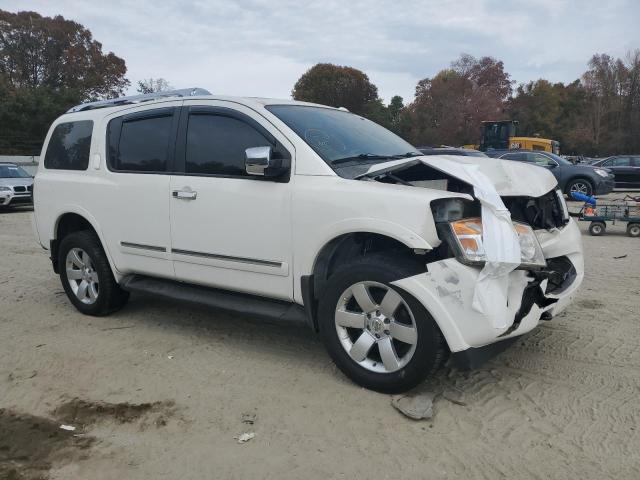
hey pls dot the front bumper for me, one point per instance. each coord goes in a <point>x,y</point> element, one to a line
<point>606,185</point>
<point>446,291</point>
<point>12,198</point>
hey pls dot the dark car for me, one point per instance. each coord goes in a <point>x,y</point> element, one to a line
<point>466,152</point>
<point>626,168</point>
<point>586,179</point>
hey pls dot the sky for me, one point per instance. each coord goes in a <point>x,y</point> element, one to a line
<point>260,48</point>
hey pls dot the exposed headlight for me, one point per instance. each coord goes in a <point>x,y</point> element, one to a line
<point>5,189</point>
<point>602,173</point>
<point>468,237</point>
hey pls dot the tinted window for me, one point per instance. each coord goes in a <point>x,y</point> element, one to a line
<point>216,144</point>
<point>144,144</point>
<point>541,160</point>
<point>69,146</point>
<point>618,162</point>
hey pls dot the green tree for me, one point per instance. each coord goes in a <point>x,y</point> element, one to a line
<point>152,85</point>
<point>48,64</point>
<point>337,86</point>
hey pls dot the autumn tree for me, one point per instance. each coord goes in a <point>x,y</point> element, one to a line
<point>449,108</point>
<point>48,64</point>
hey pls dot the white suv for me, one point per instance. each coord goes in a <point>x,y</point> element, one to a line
<point>292,210</point>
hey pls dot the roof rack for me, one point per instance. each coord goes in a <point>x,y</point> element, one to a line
<point>147,97</point>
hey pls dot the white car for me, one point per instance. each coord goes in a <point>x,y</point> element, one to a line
<point>286,209</point>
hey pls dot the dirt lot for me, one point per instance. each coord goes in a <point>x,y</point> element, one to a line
<point>161,390</point>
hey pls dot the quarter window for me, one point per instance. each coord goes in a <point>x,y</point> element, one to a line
<point>216,144</point>
<point>69,146</point>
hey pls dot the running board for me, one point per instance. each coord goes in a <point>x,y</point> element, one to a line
<point>241,303</point>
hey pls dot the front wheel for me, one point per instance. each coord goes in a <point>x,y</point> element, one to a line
<point>580,185</point>
<point>378,335</point>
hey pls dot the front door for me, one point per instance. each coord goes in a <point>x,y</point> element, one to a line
<point>228,229</point>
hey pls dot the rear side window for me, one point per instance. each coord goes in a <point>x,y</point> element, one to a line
<point>69,146</point>
<point>519,157</point>
<point>141,142</point>
<point>216,144</point>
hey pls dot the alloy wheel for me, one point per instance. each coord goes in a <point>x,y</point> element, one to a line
<point>376,327</point>
<point>82,276</point>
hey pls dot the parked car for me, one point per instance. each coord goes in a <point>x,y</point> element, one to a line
<point>585,179</point>
<point>465,152</point>
<point>16,186</point>
<point>277,208</point>
<point>625,167</point>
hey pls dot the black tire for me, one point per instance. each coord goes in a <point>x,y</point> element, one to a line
<point>633,229</point>
<point>110,297</point>
<point>597,229</point>
<point>430,348</point>
<point>579,181</point>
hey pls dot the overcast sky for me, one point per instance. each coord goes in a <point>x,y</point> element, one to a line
<point>260,48</point>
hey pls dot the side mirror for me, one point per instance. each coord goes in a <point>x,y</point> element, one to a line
<point>260,161</point>
<point>257,160</point>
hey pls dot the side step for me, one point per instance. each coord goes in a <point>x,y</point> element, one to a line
<point>241,303</point>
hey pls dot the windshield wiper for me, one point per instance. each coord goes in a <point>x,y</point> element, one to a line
<point>373,156</point>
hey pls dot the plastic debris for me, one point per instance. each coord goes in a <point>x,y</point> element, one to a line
<point>245,437</point>
<point>170,357</point>
<point>416,407</point>
<point>620,256</point>
<point>69,428</point>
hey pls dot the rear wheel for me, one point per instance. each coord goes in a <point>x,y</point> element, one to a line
<point>86,275</point>
<point>378,335</point>
<point>597,228</point>
<point>633,229</point>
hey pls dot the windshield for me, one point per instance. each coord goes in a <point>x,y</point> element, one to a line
<point>12,171</point>
<point>343,139</point>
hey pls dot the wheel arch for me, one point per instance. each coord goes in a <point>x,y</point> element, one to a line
<point>338,250</point>
<point>74,220</point>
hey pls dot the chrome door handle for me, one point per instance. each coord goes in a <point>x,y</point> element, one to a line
<point>185,194</point>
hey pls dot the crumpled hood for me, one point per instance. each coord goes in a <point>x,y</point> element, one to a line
<point>508,177</point>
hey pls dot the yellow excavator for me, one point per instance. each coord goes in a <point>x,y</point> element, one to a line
<point>501,135</point>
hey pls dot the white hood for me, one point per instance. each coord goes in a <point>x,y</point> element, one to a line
<point>509,178</point>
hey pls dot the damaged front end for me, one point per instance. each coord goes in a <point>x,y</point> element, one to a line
<point>480,298</point>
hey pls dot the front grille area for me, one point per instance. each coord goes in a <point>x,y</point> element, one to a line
<point>30,188</point>
<point>545,212</point>
<point>20,188</point>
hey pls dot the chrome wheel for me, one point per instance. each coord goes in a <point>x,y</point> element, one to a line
<point>82,276</point>
<point>376,327</point>
<point>580,187</point>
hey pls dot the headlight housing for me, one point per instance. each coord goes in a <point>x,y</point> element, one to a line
<point>5,189</point>
<point>467,236</point>
<point>601,172</point>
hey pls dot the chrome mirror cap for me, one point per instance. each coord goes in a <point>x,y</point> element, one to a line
<point>257,160</point>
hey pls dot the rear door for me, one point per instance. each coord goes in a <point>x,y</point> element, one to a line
<point>135,199</point>
<point>228,229</point>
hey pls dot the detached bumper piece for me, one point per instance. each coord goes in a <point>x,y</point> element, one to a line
<point>473,357</point>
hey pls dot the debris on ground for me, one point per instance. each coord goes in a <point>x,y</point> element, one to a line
<point>417,407</point>
<point>69,428</point>
<point>249,418</point>
<point>620,256</point>
<point>245,437</point>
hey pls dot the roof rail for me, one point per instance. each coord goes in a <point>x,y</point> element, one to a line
<point>147,97</point>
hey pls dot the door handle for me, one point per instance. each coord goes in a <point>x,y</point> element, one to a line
<point>185,194</point>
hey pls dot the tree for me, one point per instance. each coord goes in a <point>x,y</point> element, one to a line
<point>48,65</point>
<point>152,85</point>
<point>337,86</point>
<point>449,108</point>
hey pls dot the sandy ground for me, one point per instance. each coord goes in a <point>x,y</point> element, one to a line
<point>159,390</point>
